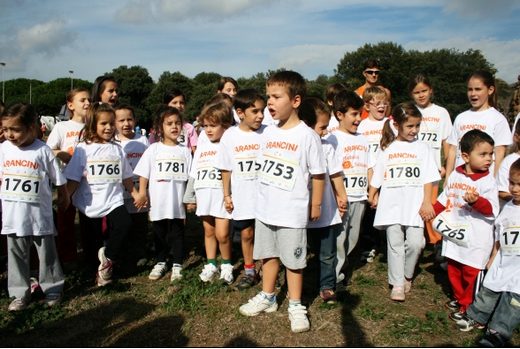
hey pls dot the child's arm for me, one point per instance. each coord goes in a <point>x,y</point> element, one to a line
<point>226,184</point>
<point>505,195</point>
<point>318,185</point>
<point>72,186</point>
<point>62,155</point>
<point>478,203</point>
<point>493,254</point>
<point>64,198</point>
<point>500,153</point>
<point>128,183</point>
<point>189,195</point>
<point>450,161</point>
<point>142,200</point>
<point>373,197</point>
<point>446,148</point>
<point>339,190</point>
<point>427,212</point>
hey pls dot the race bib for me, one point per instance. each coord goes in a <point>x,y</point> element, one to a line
<point>430,137</point>
<point>22,185</point>
<point>355,183</point>
<point>374,147</point>
<point>208,177</point>
<point>102,169</point>
<point>278,169</point>
<point>509,241</point>
<point>183,137</point>
<point>456,232</point>
<point>403,172</point>
<point>170,168</point>
<point>246,167</point>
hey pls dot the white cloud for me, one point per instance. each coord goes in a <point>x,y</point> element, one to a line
<point>45,38</point>
<point>135,12</point>
<point>480,9</point>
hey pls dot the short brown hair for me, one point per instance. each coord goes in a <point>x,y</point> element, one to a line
<point>294,83</point>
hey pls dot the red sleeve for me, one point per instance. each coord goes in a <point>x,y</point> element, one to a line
<point>483,206</point>
<point>438,208</point>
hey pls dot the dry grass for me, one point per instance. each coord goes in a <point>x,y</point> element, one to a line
<point>137,312</point>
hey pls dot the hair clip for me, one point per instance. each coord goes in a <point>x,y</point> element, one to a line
<point>100,103</point>
<point>390,117</point>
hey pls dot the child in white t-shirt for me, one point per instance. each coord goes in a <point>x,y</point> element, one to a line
<point>482,116</point>
<point>206,181</point>
<point>164,168</point>
<point>404,172</point>
<point>134,145</point>
<point>290,153</point>
<point>352,149</point>
<point>466,210</point>
<point>503,170</point>
<point>236,159</point>
<point>497,302</point>
<point>332,91</point>
<point>27,167</point>
<point>95,173</point>
<point>315,113</point>
<point>63,140</point>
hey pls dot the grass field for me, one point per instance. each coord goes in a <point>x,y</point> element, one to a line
<point>138,312</point>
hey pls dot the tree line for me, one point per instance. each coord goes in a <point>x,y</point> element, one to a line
<point>447,69</point>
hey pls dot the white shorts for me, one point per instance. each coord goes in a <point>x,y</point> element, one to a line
<point>288,244</point>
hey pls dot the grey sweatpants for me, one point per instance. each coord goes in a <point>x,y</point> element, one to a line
<point>349,235</point>
<point>405,245</point>
<point>18,251</point>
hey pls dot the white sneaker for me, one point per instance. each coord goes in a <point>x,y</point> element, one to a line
<point>298,317</point>
<point>158,271</point>
<point>258,304</point>
<point>209,273</point>
<point>226,274</point>
<point>176,273</point>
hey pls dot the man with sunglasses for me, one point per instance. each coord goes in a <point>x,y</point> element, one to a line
<point>371,73</point>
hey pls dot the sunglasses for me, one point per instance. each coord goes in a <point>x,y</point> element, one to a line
<point>371,72</point>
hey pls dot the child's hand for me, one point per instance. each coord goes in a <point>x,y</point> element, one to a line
<point>64,156</point>
<point>315,212</point>
<point>63,202</point>
<point>443,171</point>
<point>191,207</point>
<point>228,203</point>
<point>427,212</point>
<point>374,201</point>
<point>471,197</point>
<point>140,201</point>
<point>342,205</point>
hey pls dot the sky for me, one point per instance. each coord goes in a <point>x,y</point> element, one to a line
<point>45,40</point>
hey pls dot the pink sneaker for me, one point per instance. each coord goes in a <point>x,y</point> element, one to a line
<point>397,293</point>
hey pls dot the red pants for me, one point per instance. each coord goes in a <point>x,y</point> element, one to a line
<point>463,280</point>
<point>66,241</point>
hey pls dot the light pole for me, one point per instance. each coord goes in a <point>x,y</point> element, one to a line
<point>71,78</point>
<point>3,82</point>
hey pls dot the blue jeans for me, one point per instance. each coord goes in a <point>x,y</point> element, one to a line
<point>324,245</point>
<point>503,308</point>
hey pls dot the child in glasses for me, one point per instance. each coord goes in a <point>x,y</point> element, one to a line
<point>371,74</point>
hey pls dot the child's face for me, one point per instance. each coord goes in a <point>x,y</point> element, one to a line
<point>171,129</point>
<point>229,89</point>
<point>109,94</point>
<point>409,129</point>
<point>179,103</point>
<point>322,123</point>
<point>422,95</point>
<point>105,127</point>
<point>80,104</point>
<point>479,159</point>
<point>350,120</point>
<point>371,75</point>
<point>17,133</point>
<point>376,108</point>
<point>213,131</point>
<point>478,94</point>
<point>251,118</point>
<point>125,122</point>
<point>280,105</point>
<point>514,187</point>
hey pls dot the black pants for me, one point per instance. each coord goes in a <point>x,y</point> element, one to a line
<point>161,229</point>
<point>120,222</point>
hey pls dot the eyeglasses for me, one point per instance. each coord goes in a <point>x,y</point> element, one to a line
<point>372,72</point>
<point>379,104</point>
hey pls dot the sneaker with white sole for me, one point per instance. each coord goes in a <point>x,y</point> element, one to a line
<point>52,299</point>
<point>17,305</point>
<point>226,274</point>
<point>467,324</point>
<point>298,317</point>
<point>105,268</point>
<point>35,285</point>
<point>209,273</point>
<point>158,271</point>
<point>258,304</point>
<point>176,273</point>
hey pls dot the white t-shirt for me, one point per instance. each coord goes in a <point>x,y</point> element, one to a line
<point>134,150</point>
<point>401,171</point>
<point>355,158</point>
<point>268,119</point>
<point>27,174</point>
<point>166,168</point>
<point>93,166</point>
<point>333,125</point>
<point>514,127</point>
<point>65,137</point>
<point>504,273</point>
<point>208,181</point>
<point>435,127</point>
<point>373,131</point>
<point>503,172</point>
<point>238,152</point>
<point>479,228</point>
<point>490,121</point>
<point>329,206</point>
<point>287,159</point>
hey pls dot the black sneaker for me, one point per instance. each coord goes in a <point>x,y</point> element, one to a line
<point>492,339</point>
<point>247,281</point>
<point>457,315</point>
<point>452,305</point>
